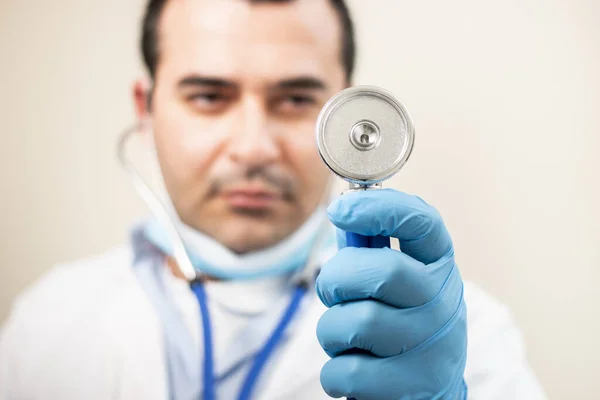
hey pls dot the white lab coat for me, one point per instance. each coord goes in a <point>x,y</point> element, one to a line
<point>88,331</point>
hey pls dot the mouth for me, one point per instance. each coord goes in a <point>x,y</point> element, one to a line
<point>251,198</point>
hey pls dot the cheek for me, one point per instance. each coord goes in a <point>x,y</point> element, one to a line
<point>301,151</point>
<point>186,144</point>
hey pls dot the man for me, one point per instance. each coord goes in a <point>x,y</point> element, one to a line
<point>235,89</point>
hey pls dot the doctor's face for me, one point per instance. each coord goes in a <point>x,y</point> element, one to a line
<point>238,88</point>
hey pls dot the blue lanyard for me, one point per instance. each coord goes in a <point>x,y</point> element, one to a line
<point>262,356</point>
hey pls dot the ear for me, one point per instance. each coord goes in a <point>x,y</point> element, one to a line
<point>142,102</point>
<point>142,96</point>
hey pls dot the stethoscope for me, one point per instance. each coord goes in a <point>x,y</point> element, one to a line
<point>364,135</point>
<point>301,280</point>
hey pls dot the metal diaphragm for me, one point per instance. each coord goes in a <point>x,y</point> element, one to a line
<point>364,134</point>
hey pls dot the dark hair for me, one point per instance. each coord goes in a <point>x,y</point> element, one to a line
<point>154,9</point>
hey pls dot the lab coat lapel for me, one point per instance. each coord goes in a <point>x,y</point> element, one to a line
<point>183,365</point>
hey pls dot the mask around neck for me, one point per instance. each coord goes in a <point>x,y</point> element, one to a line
<point>212,258</point>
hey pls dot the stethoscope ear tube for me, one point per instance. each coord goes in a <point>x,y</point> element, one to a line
<point>155,205</point>
<point>141,186</point>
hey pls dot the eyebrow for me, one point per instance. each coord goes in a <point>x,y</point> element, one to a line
<point>197,80</point>
<point>303,82</point>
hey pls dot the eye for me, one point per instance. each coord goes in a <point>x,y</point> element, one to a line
<point>298,100</point>
<point>208,101</point>
<point>294,103</point>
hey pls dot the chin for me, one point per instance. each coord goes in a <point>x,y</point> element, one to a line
<point>248,229</point>
<point>245,231</point>
<point>244,237</point>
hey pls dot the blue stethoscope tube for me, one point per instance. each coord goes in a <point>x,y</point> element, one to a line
<point>208,374</point>
<point>186,267</point>
<point>373,242</point>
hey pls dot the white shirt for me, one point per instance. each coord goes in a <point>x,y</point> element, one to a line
<point>88,330</point>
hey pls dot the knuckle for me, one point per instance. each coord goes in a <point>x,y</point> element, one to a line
<point>390,264</point>
<point>434,215</point>
<point>367,317</point>
<point>354,371</point>
<point>327,372</point>
<point>390,273</point>
<point>322,327</point>
<point>429,221</point>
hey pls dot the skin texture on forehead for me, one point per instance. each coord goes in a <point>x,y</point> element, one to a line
<point>254,49</point>
<point>240,30</point>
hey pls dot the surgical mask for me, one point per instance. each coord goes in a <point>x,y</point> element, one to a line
<point>209,256</point>
<point>212,258</point>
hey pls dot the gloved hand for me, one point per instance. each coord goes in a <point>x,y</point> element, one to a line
<point>396,324</point>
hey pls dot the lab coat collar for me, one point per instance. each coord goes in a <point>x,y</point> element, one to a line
<point>184,366</point>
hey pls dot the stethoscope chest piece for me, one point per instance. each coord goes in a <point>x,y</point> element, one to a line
<point>364,135</point>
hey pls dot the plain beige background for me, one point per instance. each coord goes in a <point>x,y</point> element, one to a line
<point>505,96</point>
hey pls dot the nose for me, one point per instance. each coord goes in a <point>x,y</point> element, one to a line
<point>254,142</point>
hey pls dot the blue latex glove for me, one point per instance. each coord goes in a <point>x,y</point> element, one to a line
<point>396,324</point>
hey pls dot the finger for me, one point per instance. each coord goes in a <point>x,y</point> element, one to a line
<point>341,236</point>
<point>384,274</point>
<point>342,376</point>
<point>433,369</point>
<point>417,225</point>
<point>384,330</point>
